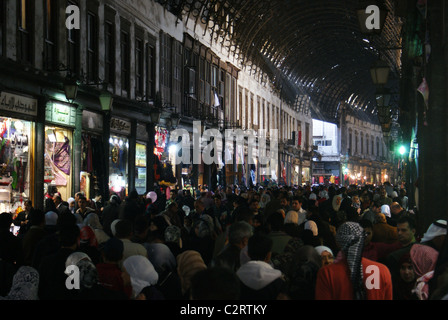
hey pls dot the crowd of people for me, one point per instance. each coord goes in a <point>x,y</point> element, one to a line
<point>323,242</point>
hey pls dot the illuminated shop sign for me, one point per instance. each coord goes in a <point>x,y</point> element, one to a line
<point>60,114</point>
<point>120,126</point>
<point>19,104</point>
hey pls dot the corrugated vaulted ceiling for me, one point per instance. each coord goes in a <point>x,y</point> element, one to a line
<point>305,47</point>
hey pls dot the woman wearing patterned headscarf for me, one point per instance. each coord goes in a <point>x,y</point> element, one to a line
<point>424,260</point>
<point>353,277</point>
<point>25,285</point>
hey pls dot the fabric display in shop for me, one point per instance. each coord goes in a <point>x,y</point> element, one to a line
<point>163,173</point>
<point>119,157</point>
<point>160,141</point>
<point>14,152</point>
<point>57,161</point>
<point>92,160</point>
<point>163,170</point>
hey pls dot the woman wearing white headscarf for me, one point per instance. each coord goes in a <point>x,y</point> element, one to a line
<point>326,254</point>
<point>385,209</point>
<point>143,276</point>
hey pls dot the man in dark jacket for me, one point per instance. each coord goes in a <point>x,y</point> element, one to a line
<point>110,214</point>
<point>52,282</point>
<point>11,253</point>
<point>239,234</point>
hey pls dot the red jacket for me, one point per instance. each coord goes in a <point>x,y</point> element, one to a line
<point>109,276</point>
<point>333,281</point>
<point>378,251</point>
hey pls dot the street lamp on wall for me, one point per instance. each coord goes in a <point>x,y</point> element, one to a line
<point>175,120</point>
<point>70,89</point>
<point>380,73</point>
<point>155,115</point>
<point>106,100</point>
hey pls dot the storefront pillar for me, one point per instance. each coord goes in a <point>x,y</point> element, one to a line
<point>150,127</point>
<point>77,149</point>
<point>131,162</point>
<point>39,151</point>
<point>106,145</point>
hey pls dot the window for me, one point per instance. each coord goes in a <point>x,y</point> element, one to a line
<point>92,47</point>
<point>350,143</point>
<point>307,136</point>
<point>73,47</point>
<point>50,30</point>
<point>246,104</point>
<point>262,115</point>
<point>362,144</point>
<point>377,147</point>
<point>109,53</point>
<point>139,67</point>
<point>217,89</point>
<point>240,108</point>
<point>323,143</point>
<point>165,67</point>
<point>207,85</point>
<point>2,25</point>
<point>176,98</point>
<point>24,43</point>
<point>228,98</point>
<point>125,60</point>
<point>233,98</point>
<point>150,70</point>
<point>190,78</point>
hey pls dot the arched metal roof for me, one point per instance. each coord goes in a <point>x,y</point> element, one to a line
<point>305,47</point>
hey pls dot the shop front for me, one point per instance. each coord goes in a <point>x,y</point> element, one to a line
<point>141,159</point>
<point>17,128</point>
<point>93,157</point>
<point>120,131</point>
<point>60,123</point>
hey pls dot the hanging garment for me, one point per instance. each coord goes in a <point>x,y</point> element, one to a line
<point>61,157</point>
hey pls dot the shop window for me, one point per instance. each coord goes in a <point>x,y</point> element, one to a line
<point>15,147</point>
<point>118,165</point>
<point>58,160</point>
<point>140,168</point>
